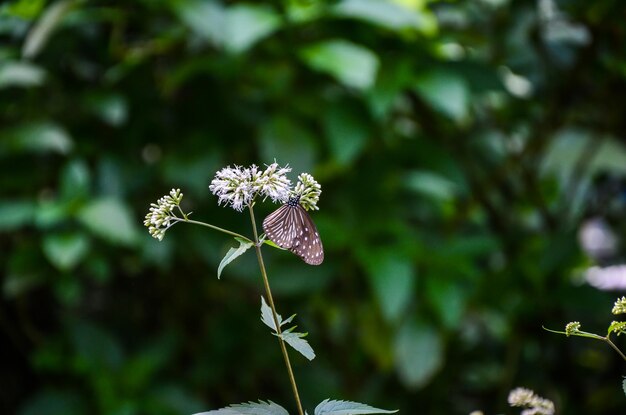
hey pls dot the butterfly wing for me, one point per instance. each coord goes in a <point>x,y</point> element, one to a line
<point>280,226</point>
<point>307,243</point>
<point>291,227</point>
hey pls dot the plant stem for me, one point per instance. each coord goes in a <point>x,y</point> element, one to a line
<point>213,227</point>
<point>270,299</point>
<point>614,347</point>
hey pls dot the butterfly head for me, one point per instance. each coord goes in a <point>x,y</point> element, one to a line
<point>293,201</point>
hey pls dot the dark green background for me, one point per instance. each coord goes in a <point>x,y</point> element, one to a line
<point>459,146</point>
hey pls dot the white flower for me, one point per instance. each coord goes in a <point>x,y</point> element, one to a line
<point>233,186</point>
<point>620,306</point>
<point>238,186</point>
<point>308,190</point>
<point>273,183</point>
<point>535,404</point>
<point>159,217</point>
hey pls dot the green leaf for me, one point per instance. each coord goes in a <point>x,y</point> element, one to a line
<point>387,14</point>
<point>431,185</point>
<point>449,300</point>
<point>301,12</point>
<point>418,354</point>
<point>236,28</point>
<point>569,146</point>
<point>40,33</point>
<point>96,348</point>
<point>618,327</point>
<point>267,315</point>
<point>446,92</point>
<point>24,9</point>
<point>54,402</point>
<point>328,407</point>
<point>351,64</point>
<point>268,319</point>
<point>246,24</point>
<point>15,214</point>
<point>273,245</point>
<point>50,213</point>
<point>206,18</point>
<point>296,340</point>
<point>21,74</point>
<point>111,219</point>
<point>75,180</point>
<point>347,132</point>
<point>65,251</point>
<point>624,385</point>
<point>393,78</point>
<point>284,139</point>
<point>392,279</point>
<point>233,253</point>
<point>110,108</point>
<point>36,137</point>
<point>251,408</point>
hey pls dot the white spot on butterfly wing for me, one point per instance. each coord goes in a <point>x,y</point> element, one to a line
<point>291,227</point>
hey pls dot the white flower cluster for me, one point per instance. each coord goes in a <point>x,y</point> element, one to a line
<point>274,183</point>
<point>620,306</point>
<point>572,328</point>
<point>159,218</point>
<point>308,190</point>
<point>535,404</point>
<point>238,186</point>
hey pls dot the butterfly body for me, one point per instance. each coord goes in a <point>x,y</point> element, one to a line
<point>291,227</point>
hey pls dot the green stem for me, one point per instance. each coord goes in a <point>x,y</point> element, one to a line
<point>213,227</point>
<point>614,347</point>
<point>270,299</point>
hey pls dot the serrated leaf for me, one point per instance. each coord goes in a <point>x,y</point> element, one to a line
<point>624,385</point>
<point>267,317</point>
<point>328,407</point>
<point>110,219</point>
<point>233,253</point>
<point>296,341</point>
<point>288,320</point>
<point>250,408</point>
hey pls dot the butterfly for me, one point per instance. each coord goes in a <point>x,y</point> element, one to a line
<point>291,227</point>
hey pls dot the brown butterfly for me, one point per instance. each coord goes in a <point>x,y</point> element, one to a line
<point>291,227</point>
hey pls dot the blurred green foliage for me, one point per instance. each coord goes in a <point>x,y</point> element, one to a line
<point>459,145</point>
